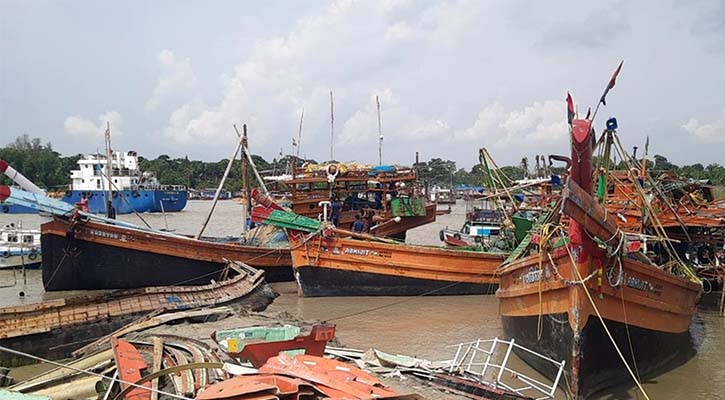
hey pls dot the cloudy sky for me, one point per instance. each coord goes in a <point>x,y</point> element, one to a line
<point>452,76</point>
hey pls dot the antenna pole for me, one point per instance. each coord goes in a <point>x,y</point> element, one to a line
<point>332,124</point>
<point>380,133</point>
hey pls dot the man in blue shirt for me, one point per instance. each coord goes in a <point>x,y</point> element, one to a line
<point>359,225</point>
<point>336,208</point>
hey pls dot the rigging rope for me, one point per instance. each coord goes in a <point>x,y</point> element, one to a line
<point>575,267</point>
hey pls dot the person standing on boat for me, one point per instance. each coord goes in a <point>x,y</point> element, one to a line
<point>111,210</point>
<point>84,204</point>
<point>378,196</point>
<point>336,208</point>
<point>369,220</point>
<point>358,226</point>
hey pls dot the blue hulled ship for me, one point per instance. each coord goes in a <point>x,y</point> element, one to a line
<point>131,189</point>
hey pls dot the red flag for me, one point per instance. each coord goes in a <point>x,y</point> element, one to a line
<point>569,108</point>
<point>614,77</point>
<point>611,83</point>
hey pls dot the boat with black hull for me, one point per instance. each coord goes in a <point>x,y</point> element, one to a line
<point>88,251</point>
<point>587,294</point>
<point>84,254</point>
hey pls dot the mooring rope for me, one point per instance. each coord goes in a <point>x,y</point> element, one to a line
<point>574,265</point>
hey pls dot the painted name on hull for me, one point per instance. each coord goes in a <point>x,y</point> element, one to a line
<point>362,252</point>
<point>632,282</point>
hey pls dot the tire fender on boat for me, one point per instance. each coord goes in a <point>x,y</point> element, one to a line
<point>6,209</point>
<point>442,235</point>
<point>33,255</point>
<point>6,254</point>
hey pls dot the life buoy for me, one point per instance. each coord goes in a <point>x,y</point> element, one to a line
<point>6,209</point>
<point>457,236</point>
<point>332,171</point>
<point>68,193</point>
<point>33,255</point>
<point>6,254</point>
<point>442,236</point>
<point>135,193</point>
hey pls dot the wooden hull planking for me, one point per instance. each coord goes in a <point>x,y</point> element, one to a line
<point>54,328</point>
<point>656,305</point>
<point>102,256</point>
<point>349,267</point>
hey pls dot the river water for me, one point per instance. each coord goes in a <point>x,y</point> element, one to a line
<point>420,326</point>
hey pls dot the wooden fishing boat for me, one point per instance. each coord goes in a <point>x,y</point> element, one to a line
<point>84,254</point>
<point>388,195</point>
<point>565,298</point>
<point>54,328</point>
<point>346,266</point>
<point>690,213</point>
<point>332,262</point>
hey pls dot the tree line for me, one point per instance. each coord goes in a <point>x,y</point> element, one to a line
<point>50,170</point>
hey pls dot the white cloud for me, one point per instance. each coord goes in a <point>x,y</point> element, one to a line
<point>327,50</point>
<point>398,31</point>
<point>177,78</point>
<point>711,132</point>
<point>449,71</point>
<point>85,128</point>
<point>534,125</point>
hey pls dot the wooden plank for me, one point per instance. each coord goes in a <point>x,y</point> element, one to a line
<point>592,216</point>
<point>158,357</point>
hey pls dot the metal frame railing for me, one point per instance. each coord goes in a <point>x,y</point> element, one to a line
<point>475,362</point>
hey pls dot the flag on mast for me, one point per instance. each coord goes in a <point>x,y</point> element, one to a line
<point>570,108</point>
<point>611,84</point>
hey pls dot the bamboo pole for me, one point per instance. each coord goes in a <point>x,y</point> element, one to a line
<point>221,185</point>
<point>251,163</point>
<point>247,203</point>
<point>158,356</point>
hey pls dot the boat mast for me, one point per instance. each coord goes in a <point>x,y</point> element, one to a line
<point>109,169</point>
<point>299,133</point>
<point>380,133</point>
<point>332,124</point>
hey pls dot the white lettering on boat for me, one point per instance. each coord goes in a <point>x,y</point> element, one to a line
<point>535,275</point>
<point>108,235</point>
<point>633,282</point>
<point>357,252</point>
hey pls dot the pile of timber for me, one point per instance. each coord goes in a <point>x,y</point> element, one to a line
<point>55,326</point>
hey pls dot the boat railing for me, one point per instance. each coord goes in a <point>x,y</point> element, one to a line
<point>489,365</point>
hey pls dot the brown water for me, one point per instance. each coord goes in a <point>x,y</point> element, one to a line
<point>422,326</point>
